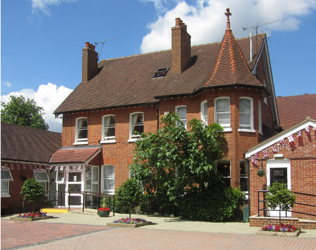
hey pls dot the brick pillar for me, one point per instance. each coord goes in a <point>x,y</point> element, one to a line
<point>89,62</point>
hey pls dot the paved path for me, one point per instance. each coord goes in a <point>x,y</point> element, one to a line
<point>76,231</point>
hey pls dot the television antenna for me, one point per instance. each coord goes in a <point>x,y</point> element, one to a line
<point>255,27</point>
<point>103,42</point>
<point>258,25</point>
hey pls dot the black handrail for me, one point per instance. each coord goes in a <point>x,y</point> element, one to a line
<point>292,211</point>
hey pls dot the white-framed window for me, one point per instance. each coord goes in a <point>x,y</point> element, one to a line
<point>108,129</point>
<point>81,131</point>
<point>42,177</point>
<point>223,168</point>
<point>6,177</point>
<point>244,170</point>
<point>265,99</point>
<point>204,112</point>
<point>246,114</point>
<point>92,179</point>
<point>136,125</point>
<point>222,112</point>
<point>108,179</point>
<point>259,118</point>
<point>182,111</point>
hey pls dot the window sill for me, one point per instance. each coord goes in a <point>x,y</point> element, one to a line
<point>81,143</point>
<point>107,142</point>
<point>247,130</point>
<point>227,130</point>
<point>132,140</point>
<point>5,195</point>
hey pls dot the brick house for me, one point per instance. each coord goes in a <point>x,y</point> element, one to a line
<point>25,153</point>
<point>228,82</point>
<point>288,157</point>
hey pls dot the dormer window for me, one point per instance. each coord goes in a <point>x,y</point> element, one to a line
<point>161,72</point>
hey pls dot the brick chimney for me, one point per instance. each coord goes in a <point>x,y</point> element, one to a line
<point>89,62</point>
<point>181,47</point>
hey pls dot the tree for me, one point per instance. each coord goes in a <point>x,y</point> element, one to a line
<point>129,195</point>
<point>280,197</point>
<point>33,192</point>
<point>23,112</point>
<point>174,161</point>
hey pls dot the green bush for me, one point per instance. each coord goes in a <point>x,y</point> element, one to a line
<point>128,196</point>
<point>214,204</point>
<point>32,191</point>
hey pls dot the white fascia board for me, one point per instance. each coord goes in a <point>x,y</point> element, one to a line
<point>272,82</point>
<point>282,136</point>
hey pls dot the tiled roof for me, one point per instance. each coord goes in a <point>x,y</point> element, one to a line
<point>129,80</point>
<point>293,109</point>
<point>74,155</point>
<point>231,66</point>
<point>21,143</point>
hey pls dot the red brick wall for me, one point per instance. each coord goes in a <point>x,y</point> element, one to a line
<point>15,201</point>
<point>302,156</point>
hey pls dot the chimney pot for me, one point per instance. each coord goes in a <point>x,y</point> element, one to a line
<point>87,44</point>
<point>178,21</point>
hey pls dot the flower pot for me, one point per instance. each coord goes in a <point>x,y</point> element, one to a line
<point>104,213</point>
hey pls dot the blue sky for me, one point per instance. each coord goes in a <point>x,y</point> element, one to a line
<point>41,40</point>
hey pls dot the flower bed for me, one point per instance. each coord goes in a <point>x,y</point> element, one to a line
<point>279,230</point>
<point>126,222</point>
<point>31,216</point>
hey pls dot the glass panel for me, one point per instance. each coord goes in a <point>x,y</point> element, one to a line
<point>61,194</point>
<point>74,187</point>
<point>223,119</point>
<point>52,175</point>
<point>74,177</point>
<point>75,200</point>
<point>88,173</point>
<point>222,105</point>
<point>244,105</point>
<point>83,134</point>
<point>226,181</point>
<point>140,119</point>
<point>109,172</point>
<point>43,184</point>
<point>244,120</point>
<point>95,174</point>
<point>139,129</point>
<point>243,169</point>
<point>5,175</point>
<point>60,176</point>
<point>111,132</point>
<point>88,185</point>
<point>41,176</point>
<point>182,111</point>
<point>223,168</point>
<point>4,186</point>
<point>95,188</point>
<point>244,184</point>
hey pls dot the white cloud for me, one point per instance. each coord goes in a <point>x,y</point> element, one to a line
<point>43,4</point>
<point>47,96</point>
<point>7,84</point>
<point>206,21</point>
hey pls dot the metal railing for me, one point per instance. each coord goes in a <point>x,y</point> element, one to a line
<point>265,209</point>
<point>94,201</point>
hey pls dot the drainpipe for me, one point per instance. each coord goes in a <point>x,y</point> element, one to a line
<point>248,186</point>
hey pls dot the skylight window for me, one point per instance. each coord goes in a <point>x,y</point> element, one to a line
<point>161,72</point>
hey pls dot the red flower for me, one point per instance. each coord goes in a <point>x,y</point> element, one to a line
<point>106,209</point>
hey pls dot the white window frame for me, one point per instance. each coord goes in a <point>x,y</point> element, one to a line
<point>259,118</point>
<point>42,181</point>
<point>186,114</point>
<point>227,128</point>
<point>103,180</point>
<point>245,177</point>
<point>265,99</point>
<point>251,116</point>
<point>82,140</point>
<point>132,137</point>
<point>204,118</point>
<point>107,139</point>
<point>230,172</point>
<point>6,194</point>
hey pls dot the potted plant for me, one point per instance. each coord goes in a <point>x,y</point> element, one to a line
<point>104,211</point>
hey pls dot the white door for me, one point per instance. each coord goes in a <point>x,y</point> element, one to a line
<point>74,184</point>
<point>280,171</point>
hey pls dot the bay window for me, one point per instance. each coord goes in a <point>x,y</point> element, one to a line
<point>182,111</point>
<point>222,112</point>
<point>246,114</point>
